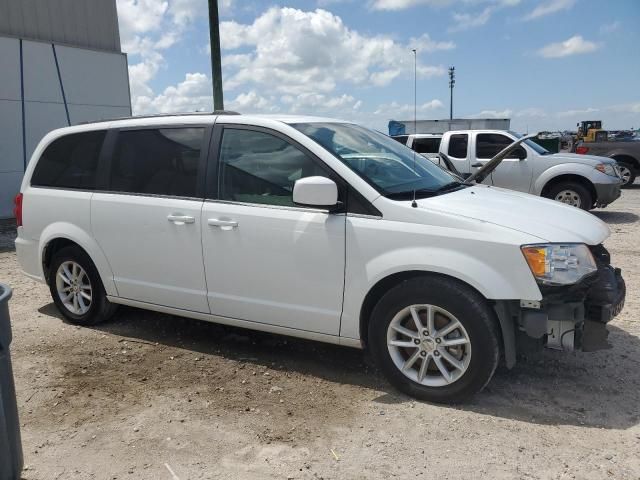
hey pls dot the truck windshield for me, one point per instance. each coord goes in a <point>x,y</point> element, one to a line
<point>533,145</point>
<point>391,168</point>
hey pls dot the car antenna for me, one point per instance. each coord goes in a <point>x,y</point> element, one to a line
<point>415,116</point>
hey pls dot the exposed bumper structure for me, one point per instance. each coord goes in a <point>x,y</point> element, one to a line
<point>567,318</point>
<point>575,317</point>
<point>606,193</point>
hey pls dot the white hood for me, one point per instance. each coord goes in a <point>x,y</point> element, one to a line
<point>546,219</point>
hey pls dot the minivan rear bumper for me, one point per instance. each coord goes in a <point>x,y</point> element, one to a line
<point>29,257</point>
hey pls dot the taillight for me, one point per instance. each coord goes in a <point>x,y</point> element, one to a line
<point>17,210</point>
<point>582,150</point>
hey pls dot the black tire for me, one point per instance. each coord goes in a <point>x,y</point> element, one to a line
<point>586,199</point>
<point>100,309</point>
<point>470,309</point>
<point>632,174</point>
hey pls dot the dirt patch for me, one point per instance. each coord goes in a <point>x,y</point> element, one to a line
<point>124,399</point>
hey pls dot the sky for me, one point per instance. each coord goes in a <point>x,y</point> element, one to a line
<point>546,64</point>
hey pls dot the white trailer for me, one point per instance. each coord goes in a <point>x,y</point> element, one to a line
<point>406,127</point>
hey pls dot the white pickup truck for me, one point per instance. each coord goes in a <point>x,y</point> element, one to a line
<point>584,181</point>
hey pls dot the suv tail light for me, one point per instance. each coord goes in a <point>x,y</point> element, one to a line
<point>17,210</point>
<point>582,150</point>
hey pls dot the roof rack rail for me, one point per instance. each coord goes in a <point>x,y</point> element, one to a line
<point>162,115</point>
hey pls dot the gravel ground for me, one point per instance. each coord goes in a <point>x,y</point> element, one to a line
<point>151,396</point>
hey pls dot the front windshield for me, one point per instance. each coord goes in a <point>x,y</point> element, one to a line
<point>390,167</point>
<point>532,145</point>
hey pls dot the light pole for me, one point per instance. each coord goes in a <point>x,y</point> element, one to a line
<point>415,91</point>
<point>216,63</point>
<point>452,82</point>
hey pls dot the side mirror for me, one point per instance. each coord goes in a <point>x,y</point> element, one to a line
<point>319,192</point>
<point>519,153</point>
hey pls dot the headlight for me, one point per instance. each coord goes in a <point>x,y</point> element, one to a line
<point>558,264</point>
<point>608,169</point>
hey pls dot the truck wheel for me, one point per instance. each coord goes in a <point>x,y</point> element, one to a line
<point>572,194</point>
<point>628,174</point>
<point>435,339</point>
<point>76,288</point>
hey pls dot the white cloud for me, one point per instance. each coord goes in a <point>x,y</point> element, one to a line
<point>147,29</point>
<point>294,52</point>
<point>548,7</point>
<point>252,102</point>
<point>531,112</point>
<point>577,113</point>
<point>341,105</point>
<point>396,110</point>
<point>185,12</point>
<point>506,113</point>
<point>465,21</point>
<point>573,46</point>
<point>193,94</point>
<point>139,16</point>
<point>610,27</point>
<point>633,107</point>
<point>402,4</point>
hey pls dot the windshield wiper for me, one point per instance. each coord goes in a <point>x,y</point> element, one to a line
<point>408,194</point>
<point>425,192</point>
<point>449,186</point>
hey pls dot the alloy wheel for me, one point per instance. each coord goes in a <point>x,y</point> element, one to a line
<point>74,287</point>
<point>625,174</point>
<point>429,345</point>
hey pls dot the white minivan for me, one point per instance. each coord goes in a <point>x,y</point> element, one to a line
<point>314,228</point>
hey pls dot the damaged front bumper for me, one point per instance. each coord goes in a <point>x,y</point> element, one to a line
<point>575,317</point>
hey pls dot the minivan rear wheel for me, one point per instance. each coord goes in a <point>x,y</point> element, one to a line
<point>76,288</point>
<point>435,339</point>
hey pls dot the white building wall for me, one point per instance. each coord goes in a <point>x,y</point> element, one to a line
<point>45,86</point>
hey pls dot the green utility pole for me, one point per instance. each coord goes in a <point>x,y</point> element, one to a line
<point>216,62</point>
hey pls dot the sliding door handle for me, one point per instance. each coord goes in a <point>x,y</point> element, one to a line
<point>224,224</point>
<point>181,219</point>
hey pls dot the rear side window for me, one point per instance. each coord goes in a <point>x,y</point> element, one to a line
<point>401,138</point>
<point>160,161</point>
<point>458,144</point>
<point>70,162</point>
<point>427,145</point>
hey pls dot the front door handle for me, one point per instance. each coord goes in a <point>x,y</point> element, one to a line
<point>181,219</point>
<point>223,224</point>
<point>478,165</point>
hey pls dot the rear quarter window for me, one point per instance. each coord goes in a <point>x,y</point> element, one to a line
<point>70,162</point>
<point>458,144</point>
<point>427,145</point>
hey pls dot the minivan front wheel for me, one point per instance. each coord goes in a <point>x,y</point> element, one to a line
<point>76,288</point>
<point>435,339</point>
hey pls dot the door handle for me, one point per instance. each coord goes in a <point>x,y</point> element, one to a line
<point>478,165</point>
<point>181,219</point>
<point>223,224</point>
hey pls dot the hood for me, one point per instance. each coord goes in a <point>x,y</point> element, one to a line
<point>546,219</point>
<point>577,158</point>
